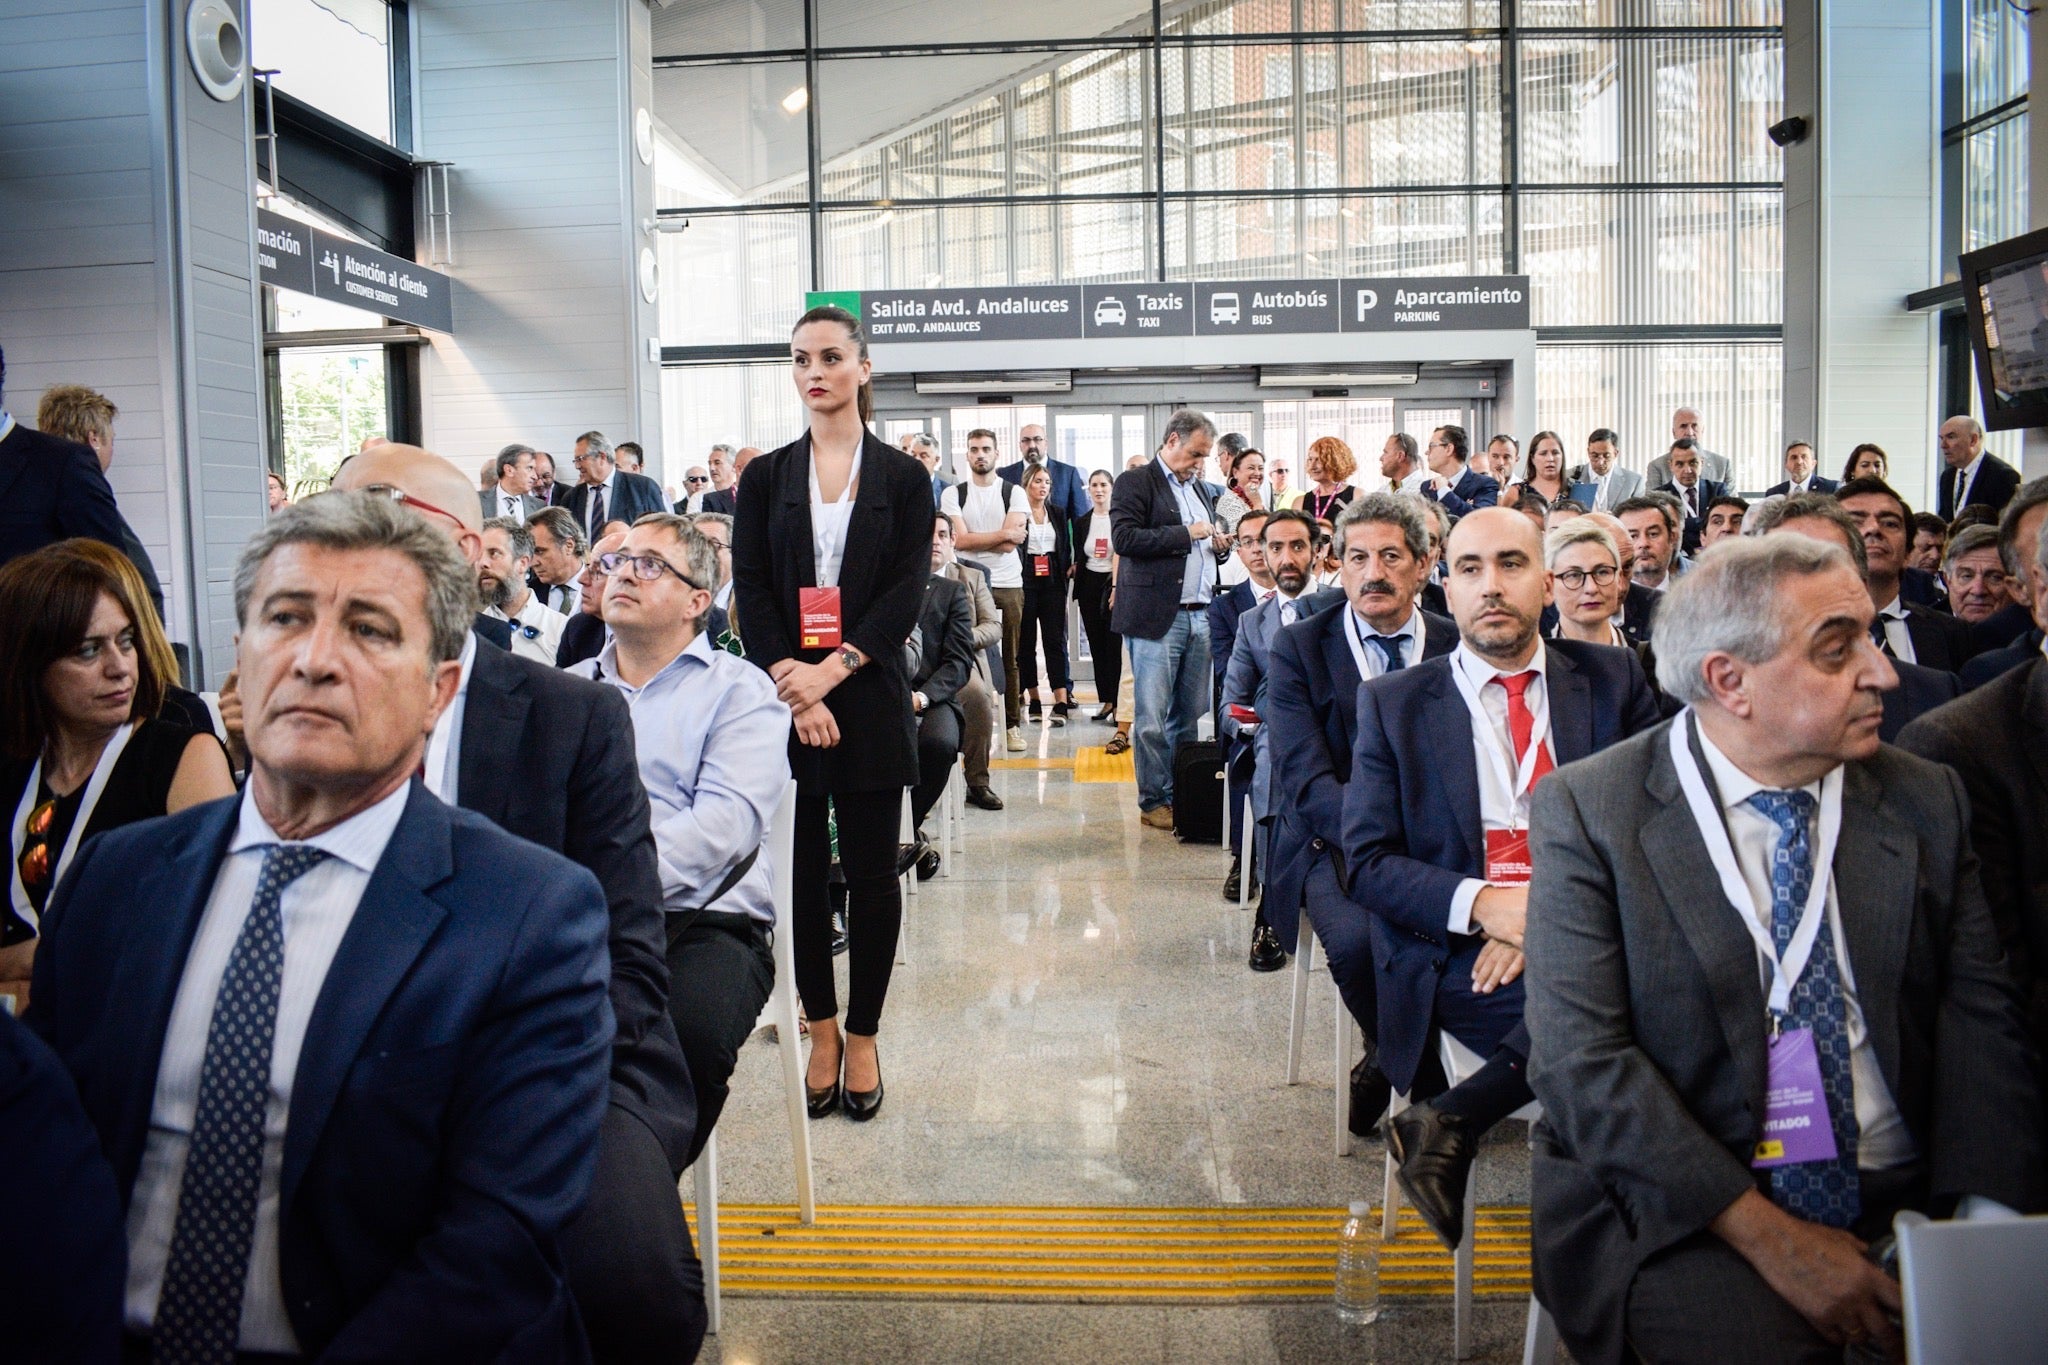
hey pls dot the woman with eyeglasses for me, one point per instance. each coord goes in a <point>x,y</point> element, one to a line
<point>1587,587</point>
<point>83,669</point>
<point>831,554</point>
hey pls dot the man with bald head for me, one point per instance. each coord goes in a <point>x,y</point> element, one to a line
<point>1069,487</point>
<point>1685,426</point>
<point>550,758</point>
<point>1968,474</point>
<point>1436,835</point>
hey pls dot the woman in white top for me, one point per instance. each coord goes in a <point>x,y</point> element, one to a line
<point>1094,572</point>
<point>1047,557</point>
<point>1247,491</point>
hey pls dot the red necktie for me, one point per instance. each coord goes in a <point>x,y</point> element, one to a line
<point>1522,724</point>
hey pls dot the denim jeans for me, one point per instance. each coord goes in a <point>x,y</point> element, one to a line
<point>1171,677</point>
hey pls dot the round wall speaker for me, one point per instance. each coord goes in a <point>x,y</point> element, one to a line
<point>643,136</point>
<point>650,274</point>
<point>217,47</point>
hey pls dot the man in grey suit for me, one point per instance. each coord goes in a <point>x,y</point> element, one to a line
<point>1601,484</point>
<point>1682,950</point>
<point>1685,426</point>
<point>511,495</point>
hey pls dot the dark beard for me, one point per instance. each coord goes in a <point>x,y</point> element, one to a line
<point>496,597</point>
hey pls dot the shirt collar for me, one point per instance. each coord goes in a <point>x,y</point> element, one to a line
<point>1480,673</point>
<point>6,424</point>
<point>1735,786</point>
<point>358,841</point>
<point>1409,629</point>
<point>1892,609</point>
<point>1970,469</point>
<point>1172,477</point>
<point>700,649</point>
<point>468,662</point>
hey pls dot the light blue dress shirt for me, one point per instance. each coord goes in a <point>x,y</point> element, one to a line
<point>1198,582</point>
<point>713,744</point>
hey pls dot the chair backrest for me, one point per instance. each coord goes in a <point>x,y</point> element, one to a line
<point>1973,1289</point>
<point>780,850</point>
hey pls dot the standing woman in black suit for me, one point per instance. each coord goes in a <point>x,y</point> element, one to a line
<point>831,550</point>
<point>1047,556</point>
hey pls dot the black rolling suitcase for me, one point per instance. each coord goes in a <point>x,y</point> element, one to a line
<point>1198,792</point>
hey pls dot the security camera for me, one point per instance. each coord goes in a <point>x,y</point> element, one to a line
<point>1785,132</point>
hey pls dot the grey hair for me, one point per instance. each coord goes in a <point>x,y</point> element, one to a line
<point>1579,531</point>
<point>1968,539</point>
<point>1970,424</point>
<point>1385,509</point>
<point>509,456</point>
<point>519,538</point>
<point>1184,424</point>
<point>722,518</point>
<point>730,451</point>
<point>700,556</point>
<point>597,443</point>
<point>562,526</point>
<point>1436,512</point>
<point>924,440</point>
<point>2041,548</point>
<point>1728,604</point>
<point>1775,512</point>
<point>365,521</point>
<point>2031,494</point>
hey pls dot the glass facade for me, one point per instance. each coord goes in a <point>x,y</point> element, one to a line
<point>1612,150</point>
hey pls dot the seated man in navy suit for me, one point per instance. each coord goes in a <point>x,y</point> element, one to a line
<point>1799,475</point>
<point>1436,836</point>
<point>1310,716</point>
<point>348,1057</point>
<point>1694,491</point>
<point>1226,611</point>
<point>1453,482</point>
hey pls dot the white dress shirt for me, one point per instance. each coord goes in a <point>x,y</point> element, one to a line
<point>1371,662</point>
<point>1601,501</point>
<point>1883,1141</point>
<point>1498,808</point>
<point>610,487</point>
<point>511,505</point>
<point>567,598</point>
<point>1412,482</point>
<point>317,910</point>
<point>1968,477</point>
<point>444,747</point>
<point>536,630</point>
<point>1894,617</point>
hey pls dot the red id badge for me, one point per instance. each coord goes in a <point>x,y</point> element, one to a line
<point>1101,547</point>
<point>1041,566</point>
<point>1507,857</point>
<point>818,620</point>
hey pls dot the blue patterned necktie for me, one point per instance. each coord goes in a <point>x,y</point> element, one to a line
<point>199,1312</point>
<point>1394,648</point>
<point>1823,1192</point>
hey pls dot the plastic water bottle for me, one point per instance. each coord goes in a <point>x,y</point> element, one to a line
<point>1358,1268</point>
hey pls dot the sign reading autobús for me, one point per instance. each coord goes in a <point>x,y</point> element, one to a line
<point>1224,308</point>
<point>1479,303</point>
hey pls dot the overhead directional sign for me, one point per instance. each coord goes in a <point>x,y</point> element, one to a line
<point>298,256</point>
<point>1207,308</point>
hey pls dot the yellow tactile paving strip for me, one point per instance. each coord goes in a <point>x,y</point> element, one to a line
<point>1055,764</point>
<point>1096,765</point>
<point>1081,1255</point>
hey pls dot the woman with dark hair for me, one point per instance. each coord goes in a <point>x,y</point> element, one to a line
<point>1542,474</point>
<point>1094,572</point>
<point>831,552</point>
<point>1866,461</point>
<point>1047,557</point>
<point>1246,491</point>
<point>83,669</point>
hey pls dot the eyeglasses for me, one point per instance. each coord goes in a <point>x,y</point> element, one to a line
<point>1574,579</point>
<point>35,853</point>
<point>397,494</point>
<point>696,478</point>
<point>646,568</point>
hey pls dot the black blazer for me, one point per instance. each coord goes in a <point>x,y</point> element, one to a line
<point>1996,740</point>
<point>1706,492</point>
<point>1996,663</point>
<point>1816,484</point>
<point>1920,690</point>
<point>881,588</point>
<point>721,500</point>
<point>52,489</point>
<point>550,758</point>
<point>633,496</point>
<point>1996,482</point>
<point>1062,548</point>
<point>945,627</point>
<point>1639,612</point>
<point>1939,640</point>
<point>1152,542</point>
<point>582,638</point>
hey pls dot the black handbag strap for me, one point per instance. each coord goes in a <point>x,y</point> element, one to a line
<point>680,920</point>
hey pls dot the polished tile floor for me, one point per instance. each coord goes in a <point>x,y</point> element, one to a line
<point>1076,1025</point>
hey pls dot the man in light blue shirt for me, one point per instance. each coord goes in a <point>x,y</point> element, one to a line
<point>713,745</point>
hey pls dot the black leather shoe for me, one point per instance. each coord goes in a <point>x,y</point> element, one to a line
<point>908,854</point>
<point>838,932</point>
<point>1435,1152</point>
<point>862,1105</point>
<point>984,798</point>
<point>1233,880</point>
<point>927,864</point>
<point>1267,954</point>
<point>823,1102</point>
<point>1371,1092</point>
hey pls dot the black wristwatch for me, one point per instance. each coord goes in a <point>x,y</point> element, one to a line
<point>850,657</point>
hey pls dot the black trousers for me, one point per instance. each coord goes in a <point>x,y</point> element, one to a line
<point>1045,621</point>
<point>938,745</point>
<point>868,825</point>
<point>721,969</point>
<point>1105,646</point>
<point>635,1275</point>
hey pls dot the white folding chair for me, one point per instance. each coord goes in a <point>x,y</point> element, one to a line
<point>1350,1041</point>
<point>1539,1339</point>
<point>950,813</point>
<point>781,1011</point>
<point>906,832</point>
<point>1972,1290</point>
<point>1248,866</point>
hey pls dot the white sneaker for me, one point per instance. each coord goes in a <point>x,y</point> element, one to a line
<point>1015,737</point>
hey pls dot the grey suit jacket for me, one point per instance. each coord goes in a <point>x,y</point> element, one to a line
<point>1244,678</point>
<point>1623,485</point>
<point>494,506</point>
<point>1646,1016</point>
<point>1712,466</point>
<point>988,620</point>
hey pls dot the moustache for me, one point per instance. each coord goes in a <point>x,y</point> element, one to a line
<point>1376,586</point>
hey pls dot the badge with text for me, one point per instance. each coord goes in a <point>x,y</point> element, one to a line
<point>1507,857</point>
<point>1796,1123</point>
<point>818,622</point>
<point>1101,547</point>
<point>1041,566</point>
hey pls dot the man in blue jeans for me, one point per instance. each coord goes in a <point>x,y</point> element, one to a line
<point>1162,522</point>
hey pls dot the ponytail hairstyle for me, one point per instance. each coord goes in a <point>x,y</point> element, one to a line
<point>832,312</point>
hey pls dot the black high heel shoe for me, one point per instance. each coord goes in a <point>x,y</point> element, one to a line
<point>822,1102</point>
<point>862,1105</point>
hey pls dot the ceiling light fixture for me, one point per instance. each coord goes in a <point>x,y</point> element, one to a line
<point>797,100</point>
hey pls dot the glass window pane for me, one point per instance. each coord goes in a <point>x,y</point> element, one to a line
<point>846,23</point>
<point>740,405</point>
<point>1405,234</point>
<point>1411,14</point>
<point>1412,114</point>
<point>1609,259</point>
<point>728,26</point>
<point>734,278</point>
<point>1995,183</point>
<point>329,400</point>
<point>1994,54</point>
<point>1648,13</point>
<point>1633,389</point>
<point>333,54</point>
<point>741,128</point>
